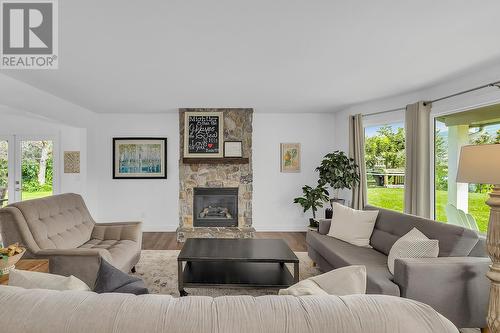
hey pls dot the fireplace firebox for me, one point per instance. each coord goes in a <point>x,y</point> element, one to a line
<point>215,207</point>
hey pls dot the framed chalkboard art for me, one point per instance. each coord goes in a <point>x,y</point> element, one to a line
<point>203,134</point>
<point>139,158</point>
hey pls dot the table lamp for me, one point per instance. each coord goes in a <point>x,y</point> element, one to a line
<point>480,164</point>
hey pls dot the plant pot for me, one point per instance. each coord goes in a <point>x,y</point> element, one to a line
<point>313,223</point>
<point>337,200</point>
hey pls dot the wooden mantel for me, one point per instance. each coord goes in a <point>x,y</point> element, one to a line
<point>219,160</point>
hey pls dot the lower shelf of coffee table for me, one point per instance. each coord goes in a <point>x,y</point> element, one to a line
<point>227,274</point>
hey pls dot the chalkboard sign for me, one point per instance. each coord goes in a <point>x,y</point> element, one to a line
<point>203,134</point>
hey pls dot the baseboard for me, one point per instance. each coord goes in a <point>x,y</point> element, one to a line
<point>159,228</point>
<point>281,228</point>
<point>267,228</point>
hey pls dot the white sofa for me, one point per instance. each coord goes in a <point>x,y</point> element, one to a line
<point>48,311</point>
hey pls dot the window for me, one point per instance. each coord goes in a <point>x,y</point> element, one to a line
<point>480,126</point>
<point>385,165</point>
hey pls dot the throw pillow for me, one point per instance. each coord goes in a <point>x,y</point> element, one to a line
<point>414,244</point>
<point>112,280</point>
<point>39,280</point>
<point>351,225</point>
<point>343,281</point>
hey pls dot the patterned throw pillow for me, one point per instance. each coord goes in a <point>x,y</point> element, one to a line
<point>413,245</point>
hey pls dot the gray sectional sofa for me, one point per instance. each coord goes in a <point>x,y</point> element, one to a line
<point>454,284</point>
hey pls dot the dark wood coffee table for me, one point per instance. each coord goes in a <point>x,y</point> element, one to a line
<point>236,263</point>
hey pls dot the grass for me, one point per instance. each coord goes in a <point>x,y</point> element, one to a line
<point>392,198</point>
<point>35,195</point>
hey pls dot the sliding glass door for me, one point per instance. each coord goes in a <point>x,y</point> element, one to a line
<point>35,167</point>
<point>458,203</point>
<point>4,171</point>
<point>27,168</point>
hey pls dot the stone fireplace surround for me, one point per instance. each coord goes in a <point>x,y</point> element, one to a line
<point>237,127</point>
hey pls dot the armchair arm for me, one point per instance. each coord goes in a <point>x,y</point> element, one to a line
<point>80,262</point>
<point>119,231</point>
<point>456,287</point>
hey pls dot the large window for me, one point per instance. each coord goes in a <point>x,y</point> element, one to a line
<point>480,126</point>
<point>385,165</point>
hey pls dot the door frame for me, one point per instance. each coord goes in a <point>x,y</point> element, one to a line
<point>11,142</point>
<point>17,163</point>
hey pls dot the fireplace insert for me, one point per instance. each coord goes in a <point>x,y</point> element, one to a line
<point>215,207</point>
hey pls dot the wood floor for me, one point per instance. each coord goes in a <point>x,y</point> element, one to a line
<point>168,241</point>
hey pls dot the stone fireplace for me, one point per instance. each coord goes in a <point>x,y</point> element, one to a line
<point>215,195</point>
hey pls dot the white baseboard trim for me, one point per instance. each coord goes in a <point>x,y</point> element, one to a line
<point>267,228</point>
<point>281,228</point>
<point>159,228</point>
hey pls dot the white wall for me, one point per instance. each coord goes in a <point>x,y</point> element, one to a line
<point>273,207</point>
<point>153,201</point>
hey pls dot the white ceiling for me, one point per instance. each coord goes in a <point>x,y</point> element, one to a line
<point>274,56</point>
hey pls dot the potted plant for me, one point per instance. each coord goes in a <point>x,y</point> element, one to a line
<point>312,199</point>
<point>338,171</point>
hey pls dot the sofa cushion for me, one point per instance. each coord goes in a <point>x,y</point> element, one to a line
<point>112,280</point>
<point>454,241</point>
<point>57,222</point>
<point>40,280</point>
<point>339,254</point>
<point>351,225</point>
<point>349,280</point>
<point>123,252</point>
<point>412,245</point>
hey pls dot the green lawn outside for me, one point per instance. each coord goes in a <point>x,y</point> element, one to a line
<point>35,195</point>
<point>392,198</point>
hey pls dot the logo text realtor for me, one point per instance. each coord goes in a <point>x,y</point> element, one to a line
<point>29,34</point>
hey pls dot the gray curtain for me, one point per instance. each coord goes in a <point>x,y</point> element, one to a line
<point>357,152</point>
<point>417,174</point>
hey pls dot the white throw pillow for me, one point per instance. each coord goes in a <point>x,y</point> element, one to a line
<point>343,281</point>
<point>412,245</point>
<point>351,225</point>
<point>39,280</point>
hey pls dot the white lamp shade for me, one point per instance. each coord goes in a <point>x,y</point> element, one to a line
<point>479,164</point>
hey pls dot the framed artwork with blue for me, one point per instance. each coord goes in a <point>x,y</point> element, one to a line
<point>139,158</point>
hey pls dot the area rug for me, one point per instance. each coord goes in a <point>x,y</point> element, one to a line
<point>158,269</point>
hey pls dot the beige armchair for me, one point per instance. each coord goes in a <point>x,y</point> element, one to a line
<point>61,229</point>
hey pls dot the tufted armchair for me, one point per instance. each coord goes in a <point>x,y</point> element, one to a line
<point>61,229</point>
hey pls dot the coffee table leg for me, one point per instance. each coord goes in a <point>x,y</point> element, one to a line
<point>296,272</point>
<point>182,292</point>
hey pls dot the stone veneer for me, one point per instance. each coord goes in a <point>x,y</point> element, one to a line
<point>237,127</point>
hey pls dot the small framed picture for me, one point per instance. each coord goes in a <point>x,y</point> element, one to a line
<point>290,157</point>
<point>139,158</point>
<point>233,149</point>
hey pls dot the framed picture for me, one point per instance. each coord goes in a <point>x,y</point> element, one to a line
<point>203,134</point>
<point>71,162</point>
<point>290,157</point>
<point>139,158</point>
<point>233,149</point>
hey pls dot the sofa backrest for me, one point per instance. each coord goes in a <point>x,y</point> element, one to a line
<point>84,311</point>
<point>57,222</point>
<point>454,241</point>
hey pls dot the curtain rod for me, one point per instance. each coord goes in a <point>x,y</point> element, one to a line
<point>492,84</point>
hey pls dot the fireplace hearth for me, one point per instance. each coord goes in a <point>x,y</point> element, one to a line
<point>215,207</point>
